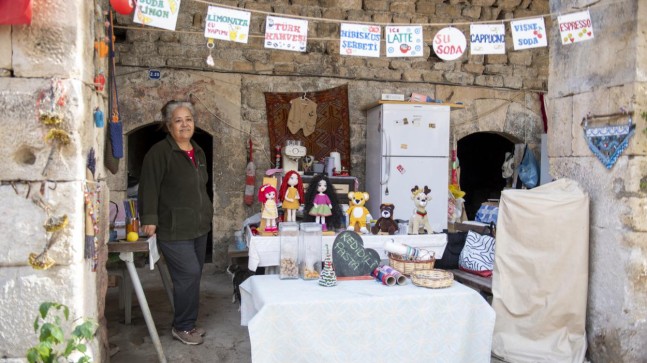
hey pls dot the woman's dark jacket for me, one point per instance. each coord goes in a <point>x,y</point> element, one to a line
<point>172,192</point>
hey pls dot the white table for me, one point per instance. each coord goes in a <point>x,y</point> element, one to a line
<point>364,321</point>
<point>126,252</point>
<point>265,251</point>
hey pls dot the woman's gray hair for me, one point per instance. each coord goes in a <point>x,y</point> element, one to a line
<point>170,107</point>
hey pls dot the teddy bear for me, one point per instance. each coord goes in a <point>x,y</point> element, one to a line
<point>385,224</point>
<point>357,212</point>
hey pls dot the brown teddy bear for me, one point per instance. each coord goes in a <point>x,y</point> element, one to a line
<point>385,224</point>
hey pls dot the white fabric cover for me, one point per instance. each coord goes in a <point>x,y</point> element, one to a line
<point>541,274</point>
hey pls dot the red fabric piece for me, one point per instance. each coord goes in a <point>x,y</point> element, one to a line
<point>15,12</point>
<point>486,273</point>
<point>191,155</point>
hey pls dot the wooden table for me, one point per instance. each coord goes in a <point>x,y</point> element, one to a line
<point>126,252</point>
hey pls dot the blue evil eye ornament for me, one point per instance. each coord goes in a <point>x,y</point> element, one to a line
<point>98,118</point>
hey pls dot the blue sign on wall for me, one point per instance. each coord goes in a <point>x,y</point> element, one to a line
<point>154,74</point>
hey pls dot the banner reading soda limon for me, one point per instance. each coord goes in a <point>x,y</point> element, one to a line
<point>157,13</point>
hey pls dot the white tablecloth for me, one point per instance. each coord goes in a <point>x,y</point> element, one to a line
<point>265,251</point>
<point>364,321</point>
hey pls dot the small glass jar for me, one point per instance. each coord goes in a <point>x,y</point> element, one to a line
<point>310,251</point>
<point>289,235</point>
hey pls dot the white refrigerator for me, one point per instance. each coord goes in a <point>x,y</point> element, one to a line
<point>408,145</point>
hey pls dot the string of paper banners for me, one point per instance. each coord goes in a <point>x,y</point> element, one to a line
<point>364,40</point>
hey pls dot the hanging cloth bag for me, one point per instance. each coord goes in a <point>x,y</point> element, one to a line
<point>114,148</point>
<point>528,169</point>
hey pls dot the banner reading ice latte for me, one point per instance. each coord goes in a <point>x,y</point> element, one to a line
<point>487,39</point>
<point>226,24</point>
<point>403,41</point>
<point>157,13</point>
<point>286,34</point>
<point>360,40</point>
<point>575,27</point>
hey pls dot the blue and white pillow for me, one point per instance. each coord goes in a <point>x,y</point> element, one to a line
<point>478,254</point>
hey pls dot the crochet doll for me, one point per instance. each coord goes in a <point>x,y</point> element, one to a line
<point>321,202</point>
<point>291,195</point>
<point>267,196</point>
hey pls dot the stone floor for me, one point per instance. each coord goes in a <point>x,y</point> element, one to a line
<point>226,341</point>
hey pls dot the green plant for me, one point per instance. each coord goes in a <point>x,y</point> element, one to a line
<point>52,337</point>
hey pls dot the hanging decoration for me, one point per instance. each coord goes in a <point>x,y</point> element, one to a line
<point>529,33</point>
<point>302,115</point>
<point>404,41</point>
<point>449,43</point>
<point>98,117</point>
<point>123,7</point>
<point>210,45</point>
<point>226,24</point>
<point>608,142</point>
<point>54,226</point>
<point>575,27</point>
<point>52,117</point>
<point>487,39</point>
<point>286,34</point>
<point>157,13</point>
<point>15,12</point>
<point>114,140</point>
<point>99,81</point>
<point>360,40</point>
<point>101,47</point>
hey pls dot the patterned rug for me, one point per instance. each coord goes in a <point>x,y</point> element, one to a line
<point>332,131</point>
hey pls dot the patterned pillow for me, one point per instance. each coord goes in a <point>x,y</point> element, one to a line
<point>478,254</point>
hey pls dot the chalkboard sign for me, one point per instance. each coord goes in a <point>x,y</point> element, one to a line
<point>350,258</point>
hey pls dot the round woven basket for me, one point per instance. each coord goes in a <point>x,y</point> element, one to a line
<point>434,279</point>
<point>406,267</point>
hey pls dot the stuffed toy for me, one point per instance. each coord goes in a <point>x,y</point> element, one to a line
<point>357,212</point>
<point>267,196</point>
<point>322,205</point>
<point>385,224</point>
<point>291,195</point>
<point>419,221</point>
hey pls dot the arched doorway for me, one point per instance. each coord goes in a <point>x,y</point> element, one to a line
<point>481,156</point>
<point>142,139</point>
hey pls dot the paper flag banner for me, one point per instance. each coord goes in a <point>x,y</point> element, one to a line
<point>449,43</point>
<point>157,13</point>
<point>226,24</point>
<point>360,40</point>
<point>286,34</point>
<point>403,41</point>
<point>575,27</point>
<point>529,33</point>
<point>487,39</point>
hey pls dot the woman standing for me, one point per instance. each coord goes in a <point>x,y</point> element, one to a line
<point>175,205</point>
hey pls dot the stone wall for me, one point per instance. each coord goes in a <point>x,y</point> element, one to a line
<point>592,77</point>
<point>55,50</point>
<point>498,91</point>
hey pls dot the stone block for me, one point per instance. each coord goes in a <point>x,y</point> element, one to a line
<point>491,113</point>
<point>382,17</point>
<point>426,7</point>
<point>26,152</point>
<point>472,12</point>
<point>474,68</point>
<point>496,59</point>
<point>452,11</point>
<point>5,46</point>
<point>401,19</point>
<point>23,289</point>
<point>412,75</point>
<point>24,220</point>
<point>489,81</point>
<point>484,3</point>
<point>498,69</point>
<point>508,4</point>
<point>284,68</point>
<point>402,7</point>
<point>243,66</point>
<point>258,6</point>
<point>55,44</point>
<point>513,82</point>
<point>596,102</point>
<point>536,84</point>
<point>342,4</point>
<point>524,72</point>
<point>378,63</point>
<point>376,5</point>
<point>444,66</point>
<point>144,48</point>
<point>459,78</point>
<point>358,15</point>
<point>636,219</point>
<point>400,64</point>
<point>488,13</point>
<point>560,132</point>
<point>524,124</point>
<point>520,58</point>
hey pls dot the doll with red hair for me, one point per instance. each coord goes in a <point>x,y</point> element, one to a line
<point>267,196</point>
<point>291,194</point>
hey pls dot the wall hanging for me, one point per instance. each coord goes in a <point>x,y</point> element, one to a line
<point>608,142</point>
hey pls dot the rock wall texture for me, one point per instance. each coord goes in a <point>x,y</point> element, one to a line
<point>593,78</point>
<point>55,52</point>
<point>498,91</point>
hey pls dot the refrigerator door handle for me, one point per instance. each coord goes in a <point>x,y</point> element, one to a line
<point>386,170</point>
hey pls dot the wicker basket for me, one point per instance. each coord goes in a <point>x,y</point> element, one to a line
<point>406,267</point>
<point>435,279</point>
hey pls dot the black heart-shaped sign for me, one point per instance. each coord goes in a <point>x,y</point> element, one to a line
<point>350,258</point>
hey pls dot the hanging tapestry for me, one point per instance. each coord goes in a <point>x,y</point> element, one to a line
<point>608,142</point>
<point>332,127</point>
